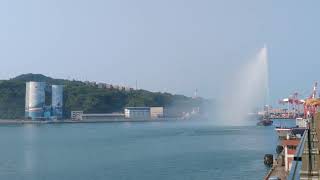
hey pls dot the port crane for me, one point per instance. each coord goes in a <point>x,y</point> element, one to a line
<point>294,102</point>
<point>312,103</point>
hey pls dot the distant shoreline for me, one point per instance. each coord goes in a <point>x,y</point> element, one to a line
<point>68,121</point>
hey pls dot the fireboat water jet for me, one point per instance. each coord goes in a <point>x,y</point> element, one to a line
<point>248,90</point>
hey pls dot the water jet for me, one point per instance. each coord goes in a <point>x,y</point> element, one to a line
<point>248,91</point>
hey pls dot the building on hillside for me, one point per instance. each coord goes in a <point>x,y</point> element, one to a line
<point>117,87</point>
<point>35,100</point>
<point>109,86</point>
<point>127,89</point>
<point>138,113</point>
<point>102,85</point>
<point>89,83</point>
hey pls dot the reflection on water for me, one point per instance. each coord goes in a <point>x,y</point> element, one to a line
<point>121,151</point>
<point>30,138</point>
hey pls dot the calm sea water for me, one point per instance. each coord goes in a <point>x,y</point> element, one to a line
<point>134,151</point>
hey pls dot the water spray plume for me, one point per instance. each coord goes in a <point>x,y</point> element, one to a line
<point>249,90</point>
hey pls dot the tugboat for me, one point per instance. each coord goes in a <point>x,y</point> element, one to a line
<point>265,122</point>
<point>266,119</point>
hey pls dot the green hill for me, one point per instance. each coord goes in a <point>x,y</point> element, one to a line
<point>89,98</point>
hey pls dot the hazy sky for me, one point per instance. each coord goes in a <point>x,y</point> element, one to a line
<point>172,45</point>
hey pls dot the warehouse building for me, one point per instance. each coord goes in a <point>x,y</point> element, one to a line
<point>141,113</point>
<point>144,113</point>
<point>156,112</point>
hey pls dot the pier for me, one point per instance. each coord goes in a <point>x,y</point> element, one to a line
<point>277,170</point>
<point>306,164</point>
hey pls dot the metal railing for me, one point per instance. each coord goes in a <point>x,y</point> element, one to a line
<point>297,161</point>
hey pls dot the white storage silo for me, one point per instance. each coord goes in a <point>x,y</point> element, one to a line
<point>57,100</point>
<point>35,99</point>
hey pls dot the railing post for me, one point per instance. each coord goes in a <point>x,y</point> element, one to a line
<point>297,161</point>
<point>310,151</point>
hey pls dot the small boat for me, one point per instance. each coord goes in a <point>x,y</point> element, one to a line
<point>265,122</point>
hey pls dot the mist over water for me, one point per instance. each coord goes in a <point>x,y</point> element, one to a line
<point>247,91</point>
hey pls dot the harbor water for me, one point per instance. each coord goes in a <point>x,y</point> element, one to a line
<point>134,151</point>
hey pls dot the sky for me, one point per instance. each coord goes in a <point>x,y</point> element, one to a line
<point>166,45</point>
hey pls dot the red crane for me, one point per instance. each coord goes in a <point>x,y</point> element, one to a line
<point>294,102</point>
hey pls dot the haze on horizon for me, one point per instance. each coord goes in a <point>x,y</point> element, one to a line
<point>168,45</point>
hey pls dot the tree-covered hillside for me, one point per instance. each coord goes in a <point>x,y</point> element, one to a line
<point>87,97</point>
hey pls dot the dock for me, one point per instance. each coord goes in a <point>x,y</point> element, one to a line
<point>278,169</point>
<point>305,163</point>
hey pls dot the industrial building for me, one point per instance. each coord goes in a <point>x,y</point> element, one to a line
<point>57,101</point>
<point>141,113</point>
<point>35,107</point>
<point>35,100</point>
<point>76,115</point>
<point>80,116</point>
<point>156,112</point>
<point>102,117</point>
<point>130,113</point>
<point>144,113</point>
